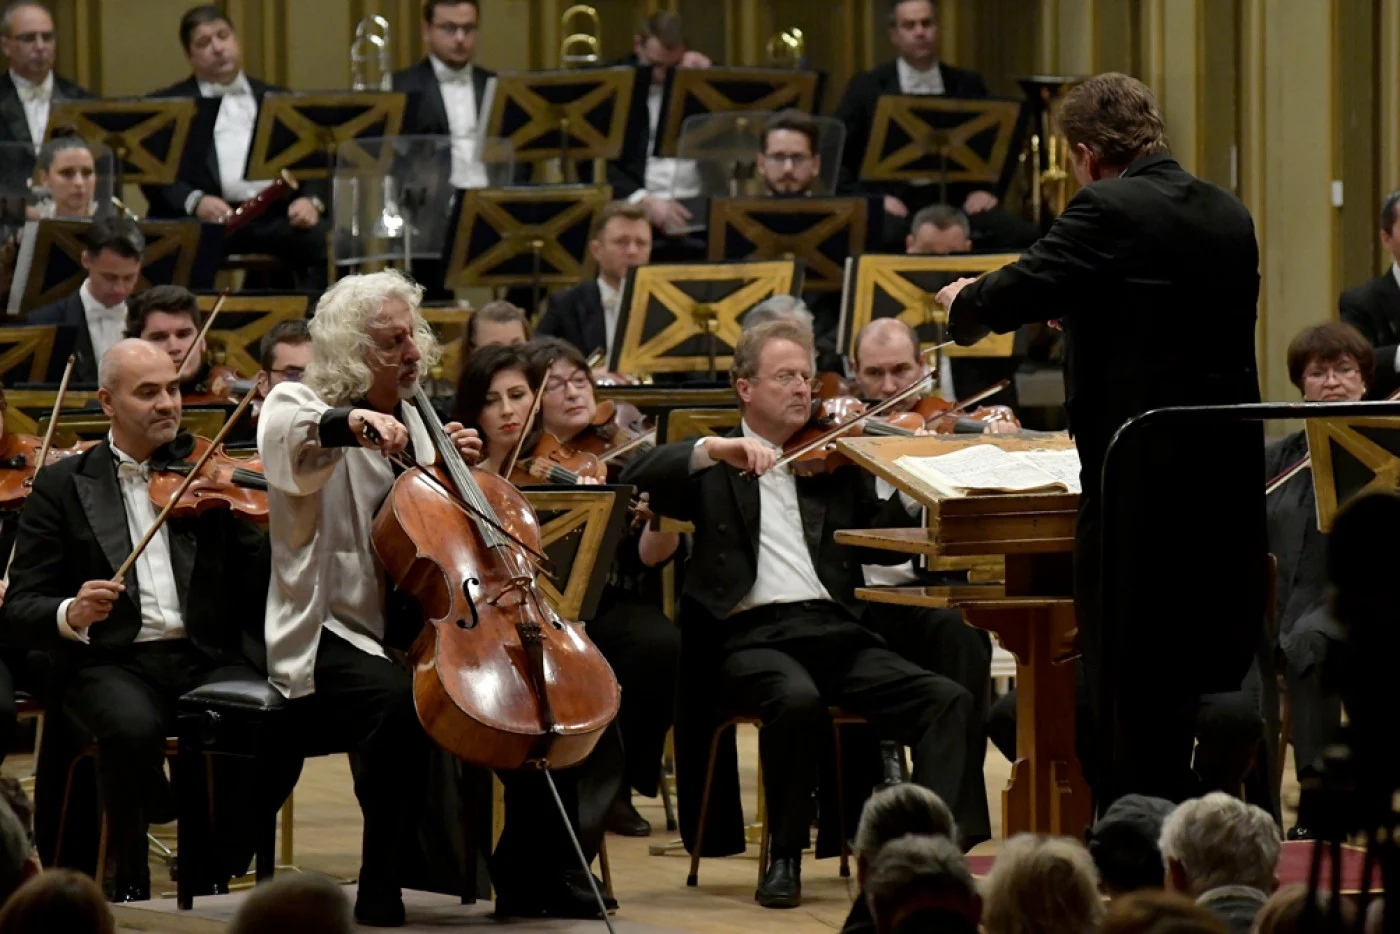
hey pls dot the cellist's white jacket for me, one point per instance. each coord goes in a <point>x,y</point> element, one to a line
<point>321,503</point>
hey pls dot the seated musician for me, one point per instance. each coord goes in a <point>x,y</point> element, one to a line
<point>68,174</point>
<point>586,315</point>
<point>97,311</point>
<point>790,162</point>
<point>497,322</point>
<point>941,230</point>
<point>1373,307</point>
<point>29,87</point>
<point>778,308</point>
<point>330,623</point>
<point>169,316</point>
<point>126,651</point>
<point>1329,362</point>
<point>769,597</point>
<point>284,354</point>
<point>209,189</point>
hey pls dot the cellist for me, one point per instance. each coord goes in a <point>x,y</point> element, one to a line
<point>328,626</point>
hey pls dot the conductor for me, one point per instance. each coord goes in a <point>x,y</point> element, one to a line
<point>1123,270</point>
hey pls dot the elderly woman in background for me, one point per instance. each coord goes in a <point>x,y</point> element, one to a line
<point>1042,885</point>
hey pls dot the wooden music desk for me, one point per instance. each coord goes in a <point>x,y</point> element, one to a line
<point>1031,610</point>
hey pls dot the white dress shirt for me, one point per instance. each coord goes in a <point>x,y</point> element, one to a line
<point>912,81</point>
<point>785,572</point>
<point>880,575</point>
<point>459,98</point>
<point>665,178</point>
<point>161,617</point>
<point>36,99</point>
<point>612,307</point>
<point>105,324</point>
<point>233,136</point>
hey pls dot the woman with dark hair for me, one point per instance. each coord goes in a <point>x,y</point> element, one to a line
<point>67,169</point>
<point>1328,362</point>
<point>494,395</point>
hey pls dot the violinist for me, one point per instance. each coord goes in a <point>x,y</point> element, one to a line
<point>68,173</point>
<point>770,622</point>
<point>169,317</point>
<point>494,396</point>
<point>126,651</point>
<point>630,627</point>
<point>332,620</point>
<point>790,163</point>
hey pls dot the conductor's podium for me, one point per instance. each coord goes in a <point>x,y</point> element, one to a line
<point>1030,609</point>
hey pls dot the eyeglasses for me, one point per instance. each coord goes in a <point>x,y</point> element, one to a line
<point>789,380</point>
<point>293,373</point>
<point>798,159</point>
<point>578,382</point>
<point>1342,371</point>
<point>451,29</point>
<point>32,38</point>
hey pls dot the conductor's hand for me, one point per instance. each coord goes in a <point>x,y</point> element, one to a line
<point>303,214</point>
<point>466,440</point>
<point>747,454</point>
<point>949,292</point>
<point>895,207</point>
<point>389,436</point>
<point>93,603</point>
<point>212,210</point>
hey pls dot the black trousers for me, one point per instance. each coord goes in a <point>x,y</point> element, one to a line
<point>126,699</point>
<point>788,663</point>
<point>1316,709</point>
<point>643,647</point>
<point>940,641</point>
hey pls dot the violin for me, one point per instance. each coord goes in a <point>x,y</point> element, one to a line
<point>553,462</point>
<point>618,431</point>
<point>945,418</point>
<point>812,449</point>
<point>19,460</point>
<point>223,482</point>
<point>216,384</point>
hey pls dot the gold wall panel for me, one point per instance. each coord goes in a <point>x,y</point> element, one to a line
<point>1358,92</point>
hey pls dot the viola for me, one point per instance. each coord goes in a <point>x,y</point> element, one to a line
<point>224,482</point>
<point>19,460</point>
<point>500,680</point>
<point>553,462</point>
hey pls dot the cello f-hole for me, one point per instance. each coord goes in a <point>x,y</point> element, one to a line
<point>471,603</point>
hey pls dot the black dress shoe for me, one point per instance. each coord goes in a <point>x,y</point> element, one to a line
<point>782,884</point>
<point>1299,832</point>
<point>577,884</point>
<point>124,892</point>
<point>623,820</point>
<point>379,909</point>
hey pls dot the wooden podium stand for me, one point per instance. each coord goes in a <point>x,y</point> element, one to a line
<point>1031,611</point>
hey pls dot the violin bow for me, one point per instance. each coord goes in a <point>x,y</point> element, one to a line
<point>636,442</point>
<point>508,464</point>
<point>181,489</point>
<point>48,440</point>
<point>203,333</point>
<point>991,390</point>
<point>1306,463</point>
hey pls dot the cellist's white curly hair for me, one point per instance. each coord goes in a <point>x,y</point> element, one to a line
<point>340,333</point>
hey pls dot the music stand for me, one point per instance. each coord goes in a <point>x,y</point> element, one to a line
<point>50,264</point>
<point>243,322</point>
<point>822,232</point>
<point>692,92</point>
<point>89,425</point>
<point>567,115</point>
<point>1350,457</point>
<point>26,344</point>
<point>915,137</point>
<point>535,236</point>
<point>580,530</point>
<point>146,136</point>
<point>676,319</point>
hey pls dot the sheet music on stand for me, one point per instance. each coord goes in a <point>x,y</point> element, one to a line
<point>979,469</point>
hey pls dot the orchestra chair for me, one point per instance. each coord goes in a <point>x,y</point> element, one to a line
<point>243,271</point>
<point>28,707</point>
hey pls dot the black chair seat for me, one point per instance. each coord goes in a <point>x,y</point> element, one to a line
<point>229,696</point>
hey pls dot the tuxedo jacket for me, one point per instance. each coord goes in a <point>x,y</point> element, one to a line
<point>199,167</point>
<point>73,529</point>
<point>576,315</point>
<point>1373,308</point>
<point>426,113</point>
<point>14,125</point>
<point>69,312</point>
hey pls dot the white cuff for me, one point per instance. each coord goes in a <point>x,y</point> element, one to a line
<point>67,631</point>
<point>911,505</point>
<point>192,201</point>
<point>638,196</point>
<point>1397,359</point>
<point>700,458</point>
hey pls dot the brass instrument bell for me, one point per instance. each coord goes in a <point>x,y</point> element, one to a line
<point>788,49</point>
<point>580,48</point>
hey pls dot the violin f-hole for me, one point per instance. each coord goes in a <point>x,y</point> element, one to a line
<point>471,603</point>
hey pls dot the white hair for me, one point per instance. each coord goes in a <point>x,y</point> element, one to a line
<point>7,17</point>
<point>778,308</point>
<point>340,333</point>
<point>1042,885</point>
<point>891,813</point>
<point>1219,840</point>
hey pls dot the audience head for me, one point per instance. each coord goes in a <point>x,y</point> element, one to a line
<point>790,161</point>
<point>914,32</point>
<point>939,230</point>
<point>1390,218</point>
<point>139,389</point>
<point>18,861</point>
<point>569,404</point>
<point>1218,840</point>
<point>167,316</point>
<point>1284,912</point>
<point>1042,885</point>
<point>68,170</point>
<point>1111,121</point>
<point>887,359</point>
<point>450,29</point>
<point>922,883</point>
<point>495,393</point>
<point>1123,843</point>
<point>57,900</point>
<point>660,43</point>
<point>284,354</point>
<point>1331,362</point>
<point>891,813</point>
<point>211,46</point>
<point>1160,912</point>
<point>304,902</point>
<point>27,39</point>
<point>495,322</point>
<point>778,308</point>
<point>112,259</point>
<point>772,376</point>
<point>621,241</point>
<point>369,340</point>
<point>12,793</point>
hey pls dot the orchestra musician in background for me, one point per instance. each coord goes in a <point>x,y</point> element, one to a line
<point>169,317</point>
<point>497,322</point>
<point>30,86</point>
<point>1373,307</point>
<point>67,171</point>
<point>790,161</point>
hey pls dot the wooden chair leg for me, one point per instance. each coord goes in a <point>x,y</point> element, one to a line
<point>841,802</point>
<point>605,867</point>
<point>1285,737</point>
<point>693,878</point>
<point>668,767</point>
<point>288,830</point>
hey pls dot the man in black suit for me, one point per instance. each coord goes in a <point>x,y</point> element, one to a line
<point>127,651</point>
<point>1134,247</point>
<point>770,619</point>
<point>586,315</point>
<point>97,311</point>
<point>211,179</point>
<point>917,69</point>
<point>30,87</point>
<point>1373,307</point>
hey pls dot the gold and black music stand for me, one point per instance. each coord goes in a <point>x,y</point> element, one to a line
<point>147,136</point>
<point>568,115</point>
<point>50,265</point>
<point>685,318</point>
<point>954,140</point>
<point>449,323</point>
<point>580,530</point>
<point>1351,456</point>
<point>26,408</point>
<point>535,236</point>
<point>25,352</point>
<point>243,322</point>
<point>92,425</point>
<point>822,232</point>
<point>695,91</point>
